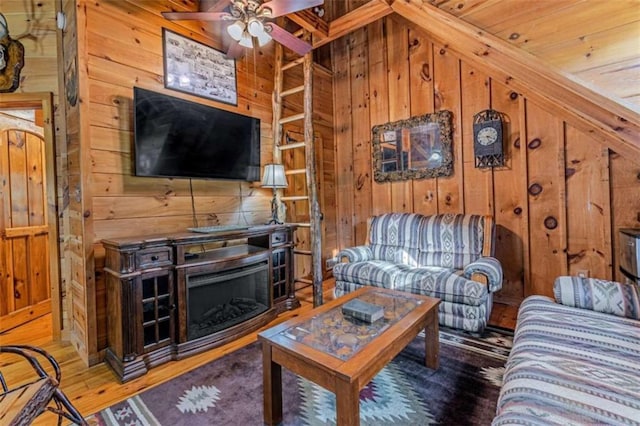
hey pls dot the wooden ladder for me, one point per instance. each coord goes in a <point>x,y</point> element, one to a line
<point>285,145</point>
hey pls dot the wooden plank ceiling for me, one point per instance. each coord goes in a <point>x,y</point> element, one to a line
<point>594,42</point>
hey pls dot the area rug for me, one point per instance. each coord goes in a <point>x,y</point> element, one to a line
<point>228,391</point>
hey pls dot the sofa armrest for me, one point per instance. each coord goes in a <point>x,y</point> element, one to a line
<point>355,254</point>
<point>598,295</point>
<point>489,267</point>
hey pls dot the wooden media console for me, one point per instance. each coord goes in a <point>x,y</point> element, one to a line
<point>171,296</point>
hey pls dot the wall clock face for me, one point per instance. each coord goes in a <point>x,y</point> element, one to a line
<point>487,139</point>
<point>487,136</point>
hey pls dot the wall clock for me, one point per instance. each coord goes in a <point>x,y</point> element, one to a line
<point>487,139</point>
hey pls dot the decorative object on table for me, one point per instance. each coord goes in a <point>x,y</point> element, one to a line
<point>11,59</point>
<point>416,148</point>
<point>487,139</point>
<point>195,68</point>
<point>363,311</point>
<point>251,23</point>
<point>463,390</point>
<point>274,178</point>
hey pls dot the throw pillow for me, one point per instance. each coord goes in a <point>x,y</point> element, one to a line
<point>598,295</point>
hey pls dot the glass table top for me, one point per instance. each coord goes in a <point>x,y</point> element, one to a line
<point>343,336</point>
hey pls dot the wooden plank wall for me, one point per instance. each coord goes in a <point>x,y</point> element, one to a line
<point>594,41</point>
<point>80,303</point>
<point>122,48</point>
<point>34,24</point>
<point>556,209</point>
<point>119,47</point>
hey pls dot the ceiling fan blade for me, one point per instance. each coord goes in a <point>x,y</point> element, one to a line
<point>235,50</point>
<point>282,7</point>
<point>213,5</point>
<point>196,16</point>
<point>287,39</point>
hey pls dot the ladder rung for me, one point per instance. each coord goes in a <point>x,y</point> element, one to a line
<point>292,64</point>
<point>291,118</point>
<point>300,224</point>
<point>292,91</point>
<point>304,252</point>
<point>295,198</point>
<point>291,146</point>
<point>295,172</point>
<point>299,33</point>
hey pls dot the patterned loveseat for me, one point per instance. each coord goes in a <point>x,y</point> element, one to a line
<point>575,361</point>
<point>445,256</point>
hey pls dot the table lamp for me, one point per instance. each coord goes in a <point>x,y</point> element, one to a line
<point>274,178</point>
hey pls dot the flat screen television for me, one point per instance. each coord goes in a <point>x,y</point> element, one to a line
<point>178,138</point>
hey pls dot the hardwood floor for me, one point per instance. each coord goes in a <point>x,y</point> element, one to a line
<point>94,388</point>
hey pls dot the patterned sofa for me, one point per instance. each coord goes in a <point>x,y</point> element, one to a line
<point>576,361</point>
<point>445,256</point>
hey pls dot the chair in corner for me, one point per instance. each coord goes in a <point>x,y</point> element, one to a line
<point>22,404</point>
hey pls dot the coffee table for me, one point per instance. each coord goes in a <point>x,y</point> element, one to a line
<point>343,355</point>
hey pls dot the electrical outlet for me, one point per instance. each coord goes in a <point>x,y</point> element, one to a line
<point>583,273</point>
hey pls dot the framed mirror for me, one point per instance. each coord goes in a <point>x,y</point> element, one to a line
<point>417,148</point>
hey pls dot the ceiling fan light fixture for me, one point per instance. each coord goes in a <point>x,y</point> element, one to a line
<point>236,30</point>
<point>246,40</point>
<point>263,38</point>
<point>255,27</point>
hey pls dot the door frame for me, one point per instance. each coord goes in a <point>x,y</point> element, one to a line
<point>44,102</point>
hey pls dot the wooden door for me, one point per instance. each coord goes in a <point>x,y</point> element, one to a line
<point>24,245</point>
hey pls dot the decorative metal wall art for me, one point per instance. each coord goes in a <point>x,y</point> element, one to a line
<point>416,148</point>
<point>487,139</point>
<point>11,59</point>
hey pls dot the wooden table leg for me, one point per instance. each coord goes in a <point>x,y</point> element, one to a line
<point>347,404</point>
<point>432,342</point>
<point>271,387</point>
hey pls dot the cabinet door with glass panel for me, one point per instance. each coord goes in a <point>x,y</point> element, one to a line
<point>280,278</point>
<point>156,319</point>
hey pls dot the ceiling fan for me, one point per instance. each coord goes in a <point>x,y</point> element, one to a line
<point>252,21</point>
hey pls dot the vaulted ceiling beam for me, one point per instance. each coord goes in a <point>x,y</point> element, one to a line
<point>311,22</point>
<point>357,18</point>
<point>593,112</point>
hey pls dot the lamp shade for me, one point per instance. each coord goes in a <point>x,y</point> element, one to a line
<point>236,30</point>
<point>274,176</point>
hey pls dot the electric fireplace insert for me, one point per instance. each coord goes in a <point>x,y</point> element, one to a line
<point>221,299</point>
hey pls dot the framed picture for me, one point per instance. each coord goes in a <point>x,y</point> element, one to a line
<point>416,148</point>
<point>195,68</point>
